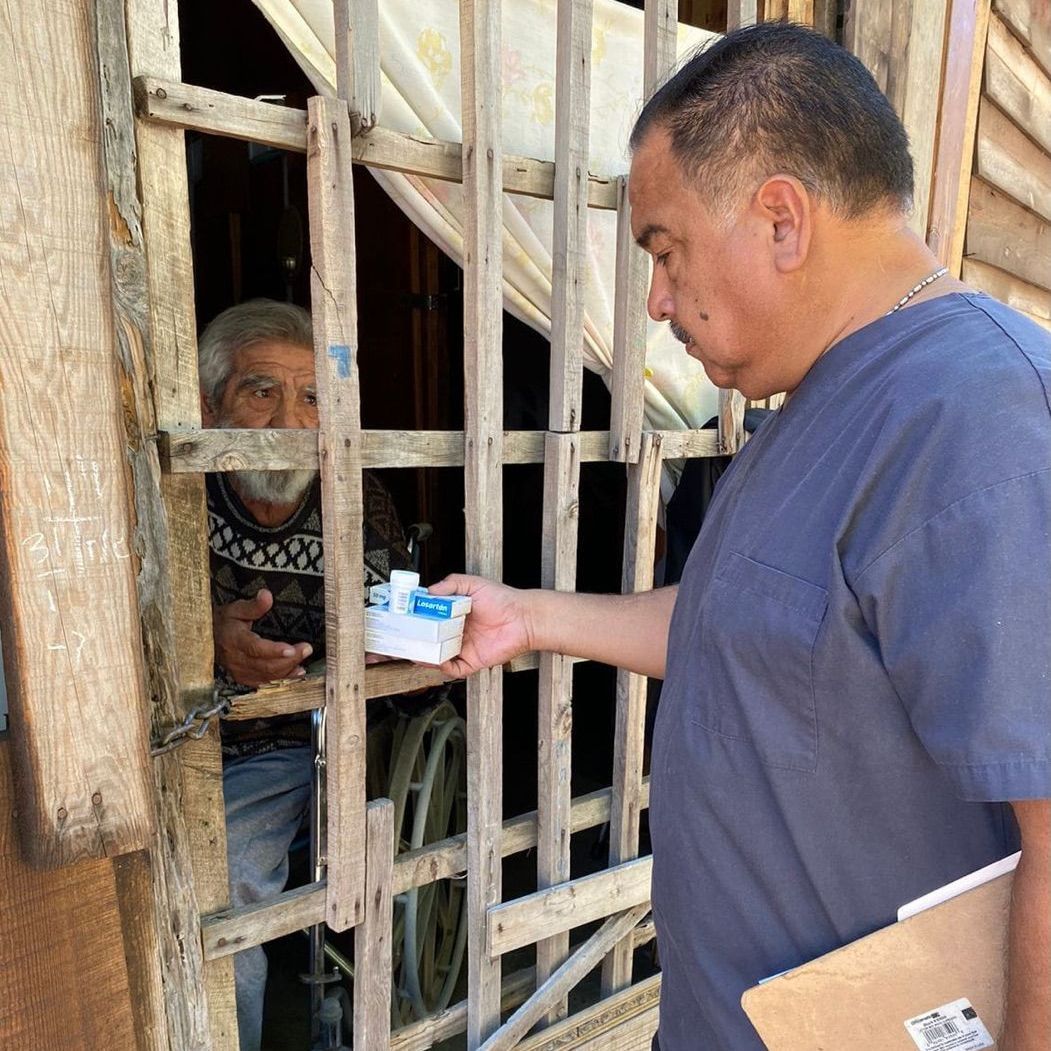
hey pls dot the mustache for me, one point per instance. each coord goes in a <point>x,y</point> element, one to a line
<point>680,333</point>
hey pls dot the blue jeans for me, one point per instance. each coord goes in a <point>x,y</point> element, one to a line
<point>267,797</point>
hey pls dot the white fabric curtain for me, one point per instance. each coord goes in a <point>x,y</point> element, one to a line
<point>420,95</point>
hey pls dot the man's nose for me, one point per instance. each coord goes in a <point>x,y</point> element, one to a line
<point>659,303</point>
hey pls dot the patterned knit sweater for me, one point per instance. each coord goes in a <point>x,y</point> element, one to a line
<point>288,560</point>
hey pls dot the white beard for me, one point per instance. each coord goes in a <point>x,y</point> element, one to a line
<point>272,487</point>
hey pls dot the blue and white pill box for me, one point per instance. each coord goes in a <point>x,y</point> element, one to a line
<point>424,604</point>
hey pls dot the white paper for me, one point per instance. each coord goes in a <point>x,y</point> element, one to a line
<point>959,886</point>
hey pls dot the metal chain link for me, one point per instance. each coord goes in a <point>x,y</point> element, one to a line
<point>196,724</point>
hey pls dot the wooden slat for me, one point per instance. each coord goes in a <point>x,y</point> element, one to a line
<point>372,938</point>
<point>1001,233</point>
<point>628,381</point>
<point>289,450</point>
<point>483,483</point>
<point>801,11</point>
<point>332,292</point>
<point>1017,84</point>
<point>659,48</point>
<point>189,857</point>
<point>233,929</point>
<point>555,708</point>
<point>730,436</point>
<point>957,121</point>
<point>640,540</point>
<point>1030,21</point>
<point>1011,162</point>
<point>605,1024</point>
<point>741,13</point>
<point>678,445</point>
<point>546,912</point>
<point>1029,299</point>
<point>172,103</point>
<point>569,974</point>
<point>357,27</point>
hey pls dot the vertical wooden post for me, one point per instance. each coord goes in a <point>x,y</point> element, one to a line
<point>358,60</point>
<point>640,538</point>
<point>741,13</point>
<point>483,458</point>
<point>661,23</point>
<point>372,938</point>
<point>562,453</point>
<point>189,857</point>
<point>731,421</point>
<point>957,126</point>
<point>628,383</point>
<point>330,191</point>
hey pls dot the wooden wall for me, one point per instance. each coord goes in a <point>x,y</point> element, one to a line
<point>1007,251</point>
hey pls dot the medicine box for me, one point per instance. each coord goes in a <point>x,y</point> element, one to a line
<point>379,620</point>
<point>412,649</point>
<point>423,604</point>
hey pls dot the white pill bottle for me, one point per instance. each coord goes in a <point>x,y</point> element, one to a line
<point>403,584</point>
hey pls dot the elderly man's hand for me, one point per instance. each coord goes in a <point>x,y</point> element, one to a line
<point>248,658</point>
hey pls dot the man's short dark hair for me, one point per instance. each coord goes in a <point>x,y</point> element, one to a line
<point>778,98</point>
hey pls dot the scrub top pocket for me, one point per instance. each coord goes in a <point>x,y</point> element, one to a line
<point>759,629</point>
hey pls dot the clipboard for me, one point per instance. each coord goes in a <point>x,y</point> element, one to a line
<point>860,996</point>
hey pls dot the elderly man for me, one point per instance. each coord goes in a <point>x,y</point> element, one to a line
<point>857,662</point>
<point>256,364</point>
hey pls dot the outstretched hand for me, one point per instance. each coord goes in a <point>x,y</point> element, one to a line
<point>498,627</point>
<point>247,657</point>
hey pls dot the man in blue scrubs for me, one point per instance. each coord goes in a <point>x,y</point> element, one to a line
<point>857,663</point>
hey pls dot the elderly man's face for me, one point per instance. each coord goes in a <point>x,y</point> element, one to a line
<point>710,282</point>
<point>271,384</point>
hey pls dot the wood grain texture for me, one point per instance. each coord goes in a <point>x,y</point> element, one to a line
<point>63,980</point>
<point>585,958</point>
<point>660,31</point>
<point>71,655</point>
<point>555,709</point>
<point>1002,234</point>
<point>1010,161</point>
<point>189,856</point>
<point>640,541</point>
<point>957,123</point>
<point>358,60</point>
<point>628,380</point>
<point>372,938</point>
<point>334,309</point>
<point>1030,21</point>
<point>1017,84</point>
<point>730,428</point>
<point>171,103</point>
<point>483,481</point>
<point>1032,301</point>
<point>741,13</point>
<point>539,915</point>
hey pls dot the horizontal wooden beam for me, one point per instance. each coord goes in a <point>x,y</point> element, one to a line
<point>533,917</point>
<point>261,449</point>
<point>234,929</point>
<point>180,105</point>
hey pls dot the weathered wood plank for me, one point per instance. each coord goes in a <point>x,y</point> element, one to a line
<point>1003,234</point>
<point>70,628</point>
<point>660,33</point>
<point>568,974</point>
<point>189,858</point>
<point>730,432</point>
<point>741,13</point>
<point>957,122</point>
<point>333,297</point>
<point>1031,22</point>
<point>171,103</point>
<point>358,60</point>
<point>628,381</point>
<point>483,482</point>
<point>1011,162</point>
<point>555,708</point>
<point>1030,300</point>
<point>231,930</point>
<point>285,450</point>
<point>1017,84</point>
<point>640,541</point>
<point>372,938</point>
<point>546,912</point>
<point>597,1027</point>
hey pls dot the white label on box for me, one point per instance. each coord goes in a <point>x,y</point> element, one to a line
<point>951,1027</point>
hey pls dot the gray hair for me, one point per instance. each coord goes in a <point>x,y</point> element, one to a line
<point>237,327</point>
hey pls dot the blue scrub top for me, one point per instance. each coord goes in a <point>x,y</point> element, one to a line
<point>859,663</point>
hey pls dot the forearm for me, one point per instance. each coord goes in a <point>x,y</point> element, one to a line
<point>1028,1008</point>
<point>627,631</point>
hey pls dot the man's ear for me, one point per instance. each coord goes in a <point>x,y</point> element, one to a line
<point>786,209</point>
<point>208,414</point>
